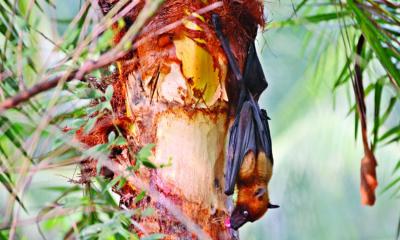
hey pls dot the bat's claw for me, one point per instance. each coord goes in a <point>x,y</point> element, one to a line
<point>264,112</point>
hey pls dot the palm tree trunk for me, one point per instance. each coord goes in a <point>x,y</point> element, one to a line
<point>176,90</point>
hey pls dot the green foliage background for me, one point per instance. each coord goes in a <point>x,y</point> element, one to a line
<point>306,53</point>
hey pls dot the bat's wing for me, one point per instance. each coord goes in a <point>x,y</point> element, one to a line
<point>241,141</point>
<point>253,74</point>
<point>267,135</point>
<point>255,81</point>
<point>263,132</point>
<point>250,132</point>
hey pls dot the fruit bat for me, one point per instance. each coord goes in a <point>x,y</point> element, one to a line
<point>249,155</point>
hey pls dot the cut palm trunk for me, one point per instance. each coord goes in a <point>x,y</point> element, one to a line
<point>175,90</point>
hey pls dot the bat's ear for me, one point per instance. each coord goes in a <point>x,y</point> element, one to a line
<point>271,206</point>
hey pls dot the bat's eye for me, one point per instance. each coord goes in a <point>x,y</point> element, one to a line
<point>260,192</point>
<point>245,213</point>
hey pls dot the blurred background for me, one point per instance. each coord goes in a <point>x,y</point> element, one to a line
<point>317,155</point>
<point>317,158</point>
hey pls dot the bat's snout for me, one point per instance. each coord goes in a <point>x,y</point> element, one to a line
<point>238,218</point>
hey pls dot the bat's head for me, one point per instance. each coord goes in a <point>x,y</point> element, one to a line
<point>253,203</point>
